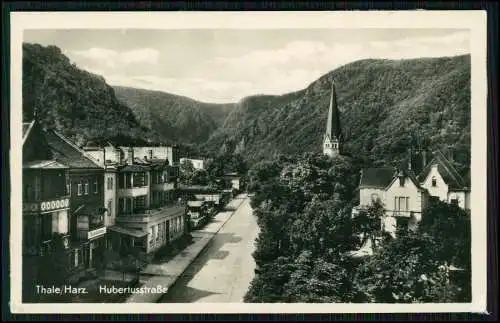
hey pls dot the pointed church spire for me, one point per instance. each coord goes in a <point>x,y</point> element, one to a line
<point>333,122</point>
<point>333,135</point>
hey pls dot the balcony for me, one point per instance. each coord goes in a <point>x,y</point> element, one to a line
<point>46,206</point>
<point>145,216</point>
<point>163,187</point>
<point>400,213</point>
<point>133,191</point>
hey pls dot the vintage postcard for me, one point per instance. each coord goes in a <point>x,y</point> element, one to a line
<point>272,162</point>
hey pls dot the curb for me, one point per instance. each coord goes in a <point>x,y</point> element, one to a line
<point>195,257</point>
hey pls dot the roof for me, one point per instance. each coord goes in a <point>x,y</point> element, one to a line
<point>407,174</point>
<point>27,126</point>
<point>44,164</point>
<point>447,171</point>
<point>233,174</point>
<point>133,168</point>
<point>131,232</point>
<point>379,177</point>
<point>333,122</point>
<point>68,153</point>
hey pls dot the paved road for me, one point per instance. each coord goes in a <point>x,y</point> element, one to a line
<point>223,271</point>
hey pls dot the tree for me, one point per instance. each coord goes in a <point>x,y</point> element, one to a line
<point>404,271</point>
<point>200,177</point>
<point>186,171</point>
<point>451,228</point>
<point>368,222</point>
<point>317,281</point>
<point>269,282</point>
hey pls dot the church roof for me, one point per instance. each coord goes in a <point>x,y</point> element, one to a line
<point>379,177</point>
<point>333,122</point>
<point>447,171</point>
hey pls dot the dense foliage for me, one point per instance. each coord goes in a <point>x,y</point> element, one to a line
<point>303,252</point>
<point>75,102</point>
<point>176,118</point>
<point>386,106</point>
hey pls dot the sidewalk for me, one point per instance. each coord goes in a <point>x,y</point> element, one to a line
<point>166,274</point>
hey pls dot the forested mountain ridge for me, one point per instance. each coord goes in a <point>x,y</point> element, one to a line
<point>75,102</point>
<point>387,106</point>
<point>178,118</point>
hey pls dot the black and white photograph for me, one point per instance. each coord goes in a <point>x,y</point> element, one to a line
<point>248,162</point>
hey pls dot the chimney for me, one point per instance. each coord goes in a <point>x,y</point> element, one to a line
<point>409,159</point>
<point>401,177</point>
<point>130,159</point>
<point>424,159</point>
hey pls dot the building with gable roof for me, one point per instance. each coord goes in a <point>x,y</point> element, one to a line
<point>443,181</point>
<point>400,193</point>
<point>86,223</point>
<point>46,205</point>
<point>406,195</point>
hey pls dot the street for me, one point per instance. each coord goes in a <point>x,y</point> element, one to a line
<point>223,271</point>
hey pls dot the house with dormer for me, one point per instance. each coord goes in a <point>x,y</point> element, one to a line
<point>405,195</point>
<point>400,193</point>
<point>443,181</point>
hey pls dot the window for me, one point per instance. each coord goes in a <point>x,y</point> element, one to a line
<point>128,206</point>
<point>139,203</point>
<point>68,184</point>
<point>80,189</point>
<point>38,188</point>
<point>109,183</point>
<point>402,224</point>
<point>128,180</point>
<point>121,180</point>
<point>86,188</point>
<point>434,182</point>
<point>96,188</point>
<point>375,197</point>
<point>46,226</point>
<point>454,201</point>
<point>121,205</point>
<point>401,203</point>
<point>110,207</point>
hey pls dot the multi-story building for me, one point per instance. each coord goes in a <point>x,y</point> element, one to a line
<point>46,204</point>
<point>153,152</point>
<point>148,215</point>
<point>87,213</point>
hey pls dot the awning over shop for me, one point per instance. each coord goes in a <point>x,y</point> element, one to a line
<point>127,231</point>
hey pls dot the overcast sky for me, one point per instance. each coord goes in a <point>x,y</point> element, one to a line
<point>225,65</point>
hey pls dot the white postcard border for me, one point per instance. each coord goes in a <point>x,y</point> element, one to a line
<point>475,21</point>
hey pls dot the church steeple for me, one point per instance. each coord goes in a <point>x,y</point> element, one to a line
<point>333,135</point>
